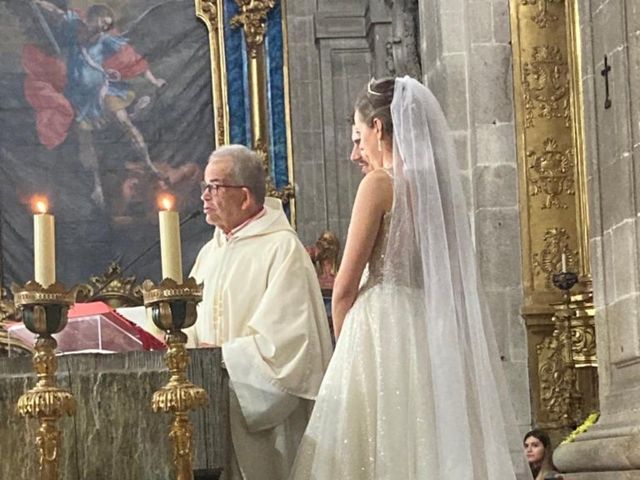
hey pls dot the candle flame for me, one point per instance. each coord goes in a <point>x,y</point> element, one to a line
<point>39,204</point>
<point>166,201</point>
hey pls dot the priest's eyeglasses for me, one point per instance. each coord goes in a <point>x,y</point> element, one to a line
<point>213,188</point>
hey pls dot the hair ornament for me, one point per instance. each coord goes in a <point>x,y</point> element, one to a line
<point>370,91</point>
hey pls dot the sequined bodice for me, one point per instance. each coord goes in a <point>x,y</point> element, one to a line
<point>376,259</point>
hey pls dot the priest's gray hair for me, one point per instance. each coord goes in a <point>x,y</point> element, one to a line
<point>247,169</point>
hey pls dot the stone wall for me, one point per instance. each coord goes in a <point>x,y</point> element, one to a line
<point>467,63</point>
<point>334,48</point>
<point>612,28</point>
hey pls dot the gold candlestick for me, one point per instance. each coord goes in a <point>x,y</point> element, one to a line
<point>44,312</point>
<point>173,307</point>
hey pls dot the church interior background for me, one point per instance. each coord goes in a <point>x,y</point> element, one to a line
<point>542,101</point>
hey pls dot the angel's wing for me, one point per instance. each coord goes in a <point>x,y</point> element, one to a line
<point>157,29</point>
<point>38,25</point>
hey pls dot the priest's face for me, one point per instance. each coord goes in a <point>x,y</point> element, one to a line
<point>222,200</point>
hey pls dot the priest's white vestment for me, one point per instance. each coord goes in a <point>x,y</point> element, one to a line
<point>262,304</point>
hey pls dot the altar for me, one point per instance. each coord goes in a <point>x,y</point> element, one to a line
<point>114,433</point>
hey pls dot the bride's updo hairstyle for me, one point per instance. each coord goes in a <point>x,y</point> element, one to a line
<point>374,101</point>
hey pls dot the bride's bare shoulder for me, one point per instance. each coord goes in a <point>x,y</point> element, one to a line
<point>377,186</point>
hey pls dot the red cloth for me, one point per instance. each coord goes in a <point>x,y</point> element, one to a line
<point>44,90</point>
<point>127,62</point>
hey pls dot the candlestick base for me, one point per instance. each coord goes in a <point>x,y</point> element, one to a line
<point>173,307</point>
<point>44,312</point>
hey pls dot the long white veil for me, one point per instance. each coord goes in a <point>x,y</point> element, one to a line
<point>430,247</point>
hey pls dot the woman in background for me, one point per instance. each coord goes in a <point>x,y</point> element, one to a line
<point>537,448</point>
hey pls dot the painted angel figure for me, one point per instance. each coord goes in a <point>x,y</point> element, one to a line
<point>84,81</point>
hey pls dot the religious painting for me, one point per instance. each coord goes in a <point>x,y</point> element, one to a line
<point>102,107</point>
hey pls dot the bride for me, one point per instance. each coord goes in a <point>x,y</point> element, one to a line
<point>414,389</point>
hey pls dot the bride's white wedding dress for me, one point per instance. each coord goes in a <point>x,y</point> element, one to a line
<point>415,389</point>
<point>374,389</point>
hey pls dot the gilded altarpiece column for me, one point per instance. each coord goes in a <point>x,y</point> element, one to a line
<point>250,80</point>
<point>554,218</point>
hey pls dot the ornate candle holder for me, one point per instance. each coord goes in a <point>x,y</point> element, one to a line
<point>566,401</point>
<point>173,307</point>
<point>564,281</point>
<point>44,312</point>
<point>581,319</point>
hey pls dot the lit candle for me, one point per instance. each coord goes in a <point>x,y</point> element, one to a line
<point>564,262</point>
<point>170,250</point>
<point>44,243</point>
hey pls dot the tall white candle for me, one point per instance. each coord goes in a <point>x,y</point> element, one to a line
<point>44,244</point>
<point>170,248</point>
<point>564,262</point>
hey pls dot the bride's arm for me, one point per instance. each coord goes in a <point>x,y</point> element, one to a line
<point>373,200</point>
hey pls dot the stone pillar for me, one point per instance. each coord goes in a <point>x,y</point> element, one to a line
<point>466,62</point>
<point>609,450</point>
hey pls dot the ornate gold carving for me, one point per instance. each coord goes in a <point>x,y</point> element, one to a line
<point>173,307</point>
<point>551,173</point>
<point>567,359</point>
<point>44,311</point>
<point>545,83</point>
<point>112,287</point>
<point>32,293</point>
<point>324,256</point>
<point>558,393</point>
<point>210,11</point>
<point>578,135</point>
<point>583,330</point>
<point>220,128</point>
<point>260,146</point>
<point>253,17</point>
<point>169,290</point>
<point>181,436</point>
<point>328,250</point>
<point>9,346</point>
<point>549,260</point>
<point>542,17</point>
<point>179,395</point>
<point>286,193</point>
<point>48,446</point>
<point>46,400</point>
<point>7,308</point>
<point>583,341</point>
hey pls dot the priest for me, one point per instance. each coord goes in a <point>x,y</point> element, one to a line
<point>262,304</point>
